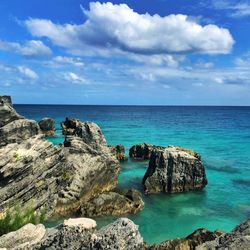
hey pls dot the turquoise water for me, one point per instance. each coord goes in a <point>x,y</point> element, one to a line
<point>220,134</point>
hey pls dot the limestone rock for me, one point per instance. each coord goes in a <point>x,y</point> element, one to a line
<point>114,203</point>
<point>24,238</point>
<point>7,112</point>
<point>35,172</point>
<point>47,126</point>
<point>88,172</point>
<point>142,151</point>
<point>174,170</point>
<point>122,234</point>
<point>119,152</point>
<point>84,222</point>
<point>29,174</point>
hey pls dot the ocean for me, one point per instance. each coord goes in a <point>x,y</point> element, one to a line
<point>220,134</point>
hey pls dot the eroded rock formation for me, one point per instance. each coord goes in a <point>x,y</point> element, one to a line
<point>174,170</point>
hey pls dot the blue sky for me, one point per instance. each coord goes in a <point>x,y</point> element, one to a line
<point>161,52</point>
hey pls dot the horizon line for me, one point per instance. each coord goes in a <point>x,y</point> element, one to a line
<point>135,105</point>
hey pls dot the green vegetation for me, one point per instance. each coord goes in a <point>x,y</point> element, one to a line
<point>17,157</point>
<point>66,175</point>
<point>17,217</point>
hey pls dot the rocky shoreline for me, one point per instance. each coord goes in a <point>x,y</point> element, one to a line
<point>122,234</point>
<point>79,178</point>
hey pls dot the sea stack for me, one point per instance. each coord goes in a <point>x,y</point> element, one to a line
<point>174,170</point>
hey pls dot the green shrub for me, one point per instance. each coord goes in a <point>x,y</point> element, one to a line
<point>17,217</point>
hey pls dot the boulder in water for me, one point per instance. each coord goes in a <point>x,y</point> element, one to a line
<point>174,170</point>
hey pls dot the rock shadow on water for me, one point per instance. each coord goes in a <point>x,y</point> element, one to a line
<point>242,182</point>
<point>225,169</point>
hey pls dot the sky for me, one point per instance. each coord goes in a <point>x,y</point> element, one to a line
<point>147,52</point>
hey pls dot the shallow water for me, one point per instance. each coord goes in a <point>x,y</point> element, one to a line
<point>220,134</point>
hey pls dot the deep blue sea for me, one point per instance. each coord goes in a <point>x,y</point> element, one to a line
<point>220,134</point>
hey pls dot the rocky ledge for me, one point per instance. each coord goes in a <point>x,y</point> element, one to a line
<point>122,234</point>
<point>116,203</point>
<point>174,170</point>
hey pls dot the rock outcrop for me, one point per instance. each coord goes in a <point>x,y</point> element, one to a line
<point>77,234</point>
<point>47,126</point>
<point>114,203</point>
<point>238,239</point>
<point>143,151</point>
<point>119,152</point>
<point>174,170</point>
<point>35,172</point>
<point>89,132</point>
<point>90,167</point>
<point>13,127</point>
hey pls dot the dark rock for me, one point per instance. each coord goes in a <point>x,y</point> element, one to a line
<point>174,170</point>
<point>238,239</point>
<point>142,151</point>
<point>195,239</point>
<point>113,203</point>
<point>47,126</point>
<point>119,152</point>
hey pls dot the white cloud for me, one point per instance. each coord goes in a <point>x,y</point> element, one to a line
<point>31,48</point>
<point>27,73</point>
<point>236,9</point>
<point>114,29</point>
<point>75,61</point>
<point>74,78</point>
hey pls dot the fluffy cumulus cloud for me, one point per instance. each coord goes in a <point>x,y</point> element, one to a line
<point>31,48</point>
<point>111,28</point>
<point>27,73</point>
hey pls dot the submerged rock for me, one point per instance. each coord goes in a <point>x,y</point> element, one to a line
<point>122,234</point>
<point>114,203</point>
<point>47,126</point>
<point>142,151</point>
<point>119,152</point>
<point>174,170</point>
